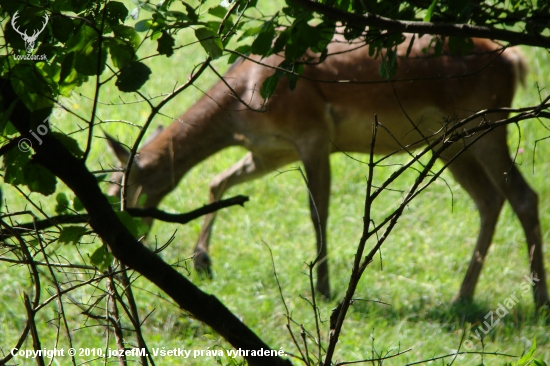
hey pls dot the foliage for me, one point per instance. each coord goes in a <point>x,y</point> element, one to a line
<point>529,358</point>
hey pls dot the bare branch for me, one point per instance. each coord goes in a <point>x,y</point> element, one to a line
<point>152,212</point>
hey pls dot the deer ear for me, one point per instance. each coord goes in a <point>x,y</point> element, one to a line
<point>153,136</point>
<point>122,153</point>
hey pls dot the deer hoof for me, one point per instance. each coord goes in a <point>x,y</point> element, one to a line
<point>542,303</point>
<point>203,264</point>
<point>461,300</point>
<point>324,291</point>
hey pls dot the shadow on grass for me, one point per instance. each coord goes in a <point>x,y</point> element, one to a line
<point>454,316</point>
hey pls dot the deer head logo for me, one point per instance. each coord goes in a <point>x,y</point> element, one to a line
<point>29,40</point>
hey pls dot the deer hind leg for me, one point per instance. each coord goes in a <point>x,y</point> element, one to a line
<point>315,157</point>
<point>250,167</point>
<point>492,152</point>
<point>472,177</point>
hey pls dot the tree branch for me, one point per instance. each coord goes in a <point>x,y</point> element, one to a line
<point>152,212</point>
<point>458,30</point>
<point>104,221</point>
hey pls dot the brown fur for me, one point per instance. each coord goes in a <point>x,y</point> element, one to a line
<point>332,109</point>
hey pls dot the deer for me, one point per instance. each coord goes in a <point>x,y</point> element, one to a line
<point>29,40</point>
<point>330,110</point>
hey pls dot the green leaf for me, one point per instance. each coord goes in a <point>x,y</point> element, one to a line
<point>39,179</point>
<point>214,26</point>
<point>302,37</point>
<point>529,355</point>
<point>177,15</point>
<point>295,76</point>
<point>121,53</point>
<point>166,44</point>
<point>132,76</point>
<point>460,45</point>
<point>77,205</point>
<point>82,38</point>
<point>344,5</point>
<point>439,42</point>
<point>264,41</point>
<point>127,33</point>
<point>388,67</point>
<point>282,41</point>
<point>210,42</point>
<point>90,61</point>
<point>102,258</point>
<point>141,226</point>
<point>62,28</point>
<point>269,85</point>
<point>250,32</point>
<point>430,11</point>
<point>69,143</point>
<point>71,234</point>
<point>15,161</point>
<point>245,50</point>
<point>5,124</point>
<point>144,25</point>
<point>79,5</point>
<point>116,12</point>
<point>62,203</point>
<point>142,199</point>
<point>62,5</point>
<point>135,226</point>
<point>115,202</point>
<point>325,34</point>
<point>353,31</point>
<point>31,87</point>
<point>9,129</point>
<point>101,177</point>
<point>67,66</point>
<point>20,170</point>
<point>191,14</point>
<point>243,5</point>
<point>218,11</point>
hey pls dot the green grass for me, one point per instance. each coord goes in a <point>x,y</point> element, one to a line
<point>424,260</point>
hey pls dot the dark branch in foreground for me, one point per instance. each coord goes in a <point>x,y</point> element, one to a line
<point>54,156</point>
<point>184,218</point>
<point>458,30</point>
<point>152,212</point>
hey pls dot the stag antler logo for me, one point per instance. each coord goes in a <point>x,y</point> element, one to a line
<point>29,40</point>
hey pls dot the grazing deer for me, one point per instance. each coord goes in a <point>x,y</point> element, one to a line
<point>330,110</point>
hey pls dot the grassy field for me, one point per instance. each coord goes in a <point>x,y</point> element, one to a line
<point>424,261</point>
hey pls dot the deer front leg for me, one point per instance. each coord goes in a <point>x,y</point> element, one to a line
<point>317,165</point>
<point>488,199</point>
<point>250,167</point>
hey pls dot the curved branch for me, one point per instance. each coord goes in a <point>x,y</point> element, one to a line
<point>458,30</point>
<point>152,212</point>
<point>104,221</point>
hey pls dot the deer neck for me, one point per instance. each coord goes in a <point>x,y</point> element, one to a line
<point>202,131</point>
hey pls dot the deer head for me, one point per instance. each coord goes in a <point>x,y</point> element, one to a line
<point>29,40</point>
<point>142,176</point>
